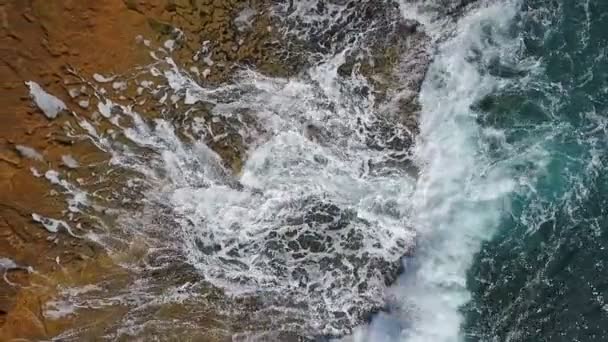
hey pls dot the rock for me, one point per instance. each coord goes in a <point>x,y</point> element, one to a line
<point>24,320</point>
<point>315,133</point>
<point>160,27</point>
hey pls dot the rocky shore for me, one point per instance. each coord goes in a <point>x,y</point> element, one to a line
<point>81,51</point>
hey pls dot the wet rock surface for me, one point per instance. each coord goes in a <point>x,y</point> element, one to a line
<point>392,53</point>
<point>35,38</point>
<point>318,250</point>
<point>47,42</point>
<point>95,58</point>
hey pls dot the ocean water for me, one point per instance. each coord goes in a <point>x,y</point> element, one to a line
<point>485,222</point>
<point>520,255</point>
<point>541,277</point>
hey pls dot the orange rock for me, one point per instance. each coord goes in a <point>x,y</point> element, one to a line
<point>25,320</point>
<point>38,39</point>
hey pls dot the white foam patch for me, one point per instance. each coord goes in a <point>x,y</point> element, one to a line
<point>49,224</point>
<point>35,172</point>
<point>78,199</point>
<point>105,108</point>
<point>69,161</point>
<point>169,44</point>
<point>50,105</point>
<point>103,79</point>
<point>7,264</point>
<point>67,303</point>
<point>55,310</point>
<point>29,152</point>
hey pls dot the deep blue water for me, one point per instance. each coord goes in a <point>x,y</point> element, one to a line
<point>543,276</point>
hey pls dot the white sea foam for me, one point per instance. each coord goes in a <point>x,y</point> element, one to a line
<point>29,152</point>
<point>244,19</point>
<point>79,197</point>
<point>67,302</point>
<point>69,161</point>
<point>6,264</point>
<point>103,79</point>
<point>35,172</point>
<point>50,105</point>
<point>456,206</point>
<point>105,108</point>
<point>52,225</point>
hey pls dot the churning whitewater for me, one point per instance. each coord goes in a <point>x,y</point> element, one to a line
<point>365,199</point>
<point>461,193</point>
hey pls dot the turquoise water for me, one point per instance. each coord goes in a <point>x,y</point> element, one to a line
<point>542,277</point>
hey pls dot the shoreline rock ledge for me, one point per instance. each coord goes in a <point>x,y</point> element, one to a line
<point>65,264</point>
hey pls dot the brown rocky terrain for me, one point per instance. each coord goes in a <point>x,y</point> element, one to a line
<point>38,39</point>
<point>44,41</point>
<point>62,45</point>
